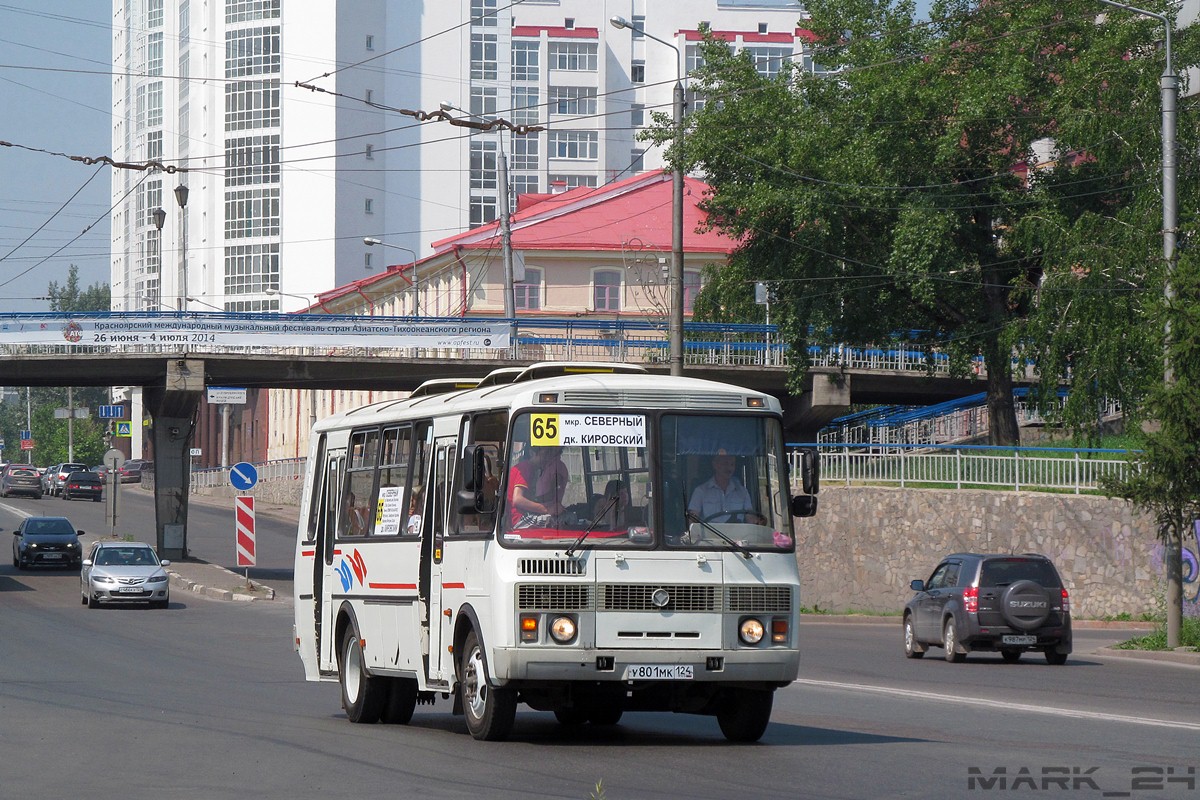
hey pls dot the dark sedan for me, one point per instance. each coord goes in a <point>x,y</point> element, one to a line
<point>46,541</point>
<point>20,479</point>
<point>87,485</point>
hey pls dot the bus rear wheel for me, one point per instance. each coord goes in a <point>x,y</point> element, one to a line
<point>744,715</point>
<point>490,711</point>
<point>362,695</point>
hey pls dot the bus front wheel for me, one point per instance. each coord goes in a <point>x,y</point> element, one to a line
<point>489,711</point>
<point>744,715</point>
<point>362,695</point>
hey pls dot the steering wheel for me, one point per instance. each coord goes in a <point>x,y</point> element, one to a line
<point>743,515</point>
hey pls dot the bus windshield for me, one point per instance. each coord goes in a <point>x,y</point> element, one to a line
<point>595,480</point>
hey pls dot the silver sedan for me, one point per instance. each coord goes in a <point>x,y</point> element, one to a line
<point>124,572</point>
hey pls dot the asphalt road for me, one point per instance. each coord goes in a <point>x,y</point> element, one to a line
<point>207,700</point>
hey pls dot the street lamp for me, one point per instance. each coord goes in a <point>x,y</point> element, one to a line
<point>510,291</point>
<point>370,241</point>
<point>160,219</point>
<point>675,326</point>
<point>202,302</point>
<point>1169,87</point>
<point>181,196</point>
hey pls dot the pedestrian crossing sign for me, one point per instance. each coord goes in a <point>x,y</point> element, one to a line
<point>124,429</point>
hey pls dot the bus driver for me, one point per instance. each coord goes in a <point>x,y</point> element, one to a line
<point>723,498</point>
<point>536,485</point>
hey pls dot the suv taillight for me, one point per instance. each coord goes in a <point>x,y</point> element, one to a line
<point>971,600</point>
<point>1066,601</point>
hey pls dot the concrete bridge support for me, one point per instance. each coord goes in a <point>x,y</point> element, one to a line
<point>173,407</point>
<point>828,398</point>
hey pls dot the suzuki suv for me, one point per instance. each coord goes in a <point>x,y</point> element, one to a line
<point>1002,603</point>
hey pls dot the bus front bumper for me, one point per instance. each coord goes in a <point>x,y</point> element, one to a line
<point>767,666</point>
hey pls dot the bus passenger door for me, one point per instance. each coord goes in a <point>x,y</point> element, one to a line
<point>323,578</point>
<point>439,666</point>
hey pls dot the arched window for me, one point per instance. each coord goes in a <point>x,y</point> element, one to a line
<point>529,292</point>
<point>691,288</point>
<point>606,290</point>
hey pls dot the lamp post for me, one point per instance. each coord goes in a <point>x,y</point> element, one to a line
<point>181,196</point>
<point>1169,89</point>
<point>160,219</point>
<point>675,326</point>
<point>202,302</point>
<point>370,241</point>
<point>510,291</point>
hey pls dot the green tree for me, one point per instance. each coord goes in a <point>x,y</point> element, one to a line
<point>984,182</point>
<point>49,433</point>
<point>1166,480</point>
<point>70,298</point>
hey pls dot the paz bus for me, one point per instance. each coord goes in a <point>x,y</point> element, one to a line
<point>584,539</point>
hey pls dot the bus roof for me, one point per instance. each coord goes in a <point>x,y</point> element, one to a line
<point>614,388</point>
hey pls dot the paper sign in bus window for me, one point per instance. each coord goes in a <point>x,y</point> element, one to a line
<point>588,430</point>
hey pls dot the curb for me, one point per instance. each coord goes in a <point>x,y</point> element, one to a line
<point>215,593</point>
<point>1187,657</point>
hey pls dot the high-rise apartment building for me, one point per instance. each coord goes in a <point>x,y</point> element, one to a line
<point>284,120</point>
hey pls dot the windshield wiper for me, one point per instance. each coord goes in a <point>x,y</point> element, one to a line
<point>741,549</point>
<point>612,501</point>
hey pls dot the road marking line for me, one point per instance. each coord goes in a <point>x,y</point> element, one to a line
<point>1001,704</point>
<point>20,513</point>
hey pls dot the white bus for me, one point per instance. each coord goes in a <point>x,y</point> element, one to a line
<point>585,539</point>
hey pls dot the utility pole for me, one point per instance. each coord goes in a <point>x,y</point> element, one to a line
<point>1169,92</point>
<point>70,424</point>
<point>510,292</point>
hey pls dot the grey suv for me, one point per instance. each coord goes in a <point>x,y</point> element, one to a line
<point>1002,602</point>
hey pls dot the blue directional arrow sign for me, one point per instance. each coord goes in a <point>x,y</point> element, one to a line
<point>243,476</point>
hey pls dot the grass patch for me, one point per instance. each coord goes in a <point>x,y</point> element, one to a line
<point>1189,636</point>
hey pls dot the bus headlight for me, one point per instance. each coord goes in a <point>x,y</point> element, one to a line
<point>751,631</point>
<point>562,629</point>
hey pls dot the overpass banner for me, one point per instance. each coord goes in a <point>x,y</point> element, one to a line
<point>204,330</point>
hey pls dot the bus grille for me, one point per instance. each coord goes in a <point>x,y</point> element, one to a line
<point>551,566</point>
<point>554,597</point>
<point>759,598</point>
<point>636,597</point>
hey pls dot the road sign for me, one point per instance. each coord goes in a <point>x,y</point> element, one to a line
<point>124,429</point>
<point>243,510</point>
<point>226,394</point>
<point>1,444</point>
<point>243,476</point>
<point>26,435</point>
<point>111,412</point>
<point>113,459</point>
<point>27,444</point>
<point>195,451</point>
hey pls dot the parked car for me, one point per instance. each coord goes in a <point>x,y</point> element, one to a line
<point>20,479</point>
<point>82,484</point>
<point>124,572</point>
<point>101,470</point>
<point>131,470</point>
<point>52,481</point>
<point>46,541</point>
<point>1002,602</point>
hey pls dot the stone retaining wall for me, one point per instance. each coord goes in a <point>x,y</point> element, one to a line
<point>866,544</point>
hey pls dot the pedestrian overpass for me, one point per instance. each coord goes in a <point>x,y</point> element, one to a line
<point>174,356</point>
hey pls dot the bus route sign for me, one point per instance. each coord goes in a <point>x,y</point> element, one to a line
<point>588,430</point>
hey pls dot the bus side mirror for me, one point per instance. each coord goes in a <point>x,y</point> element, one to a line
<point>810,470</point>
<point>471,468</point>
<point>804,505</point>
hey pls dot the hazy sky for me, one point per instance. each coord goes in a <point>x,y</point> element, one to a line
<point>55,95</point>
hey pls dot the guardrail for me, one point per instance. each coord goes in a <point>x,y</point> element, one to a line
<point>283,469</point>
<point>639,340</point>
<point>966,466</point>
<point>907,466</point>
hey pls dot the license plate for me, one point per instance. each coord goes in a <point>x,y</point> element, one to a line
<point>51,556</point>
<point>130,589</point>
<point>658,672</point>
<point>1018,640</point>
